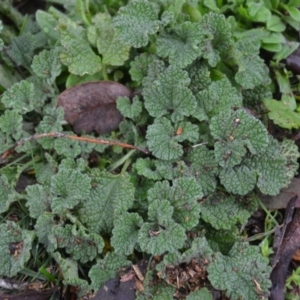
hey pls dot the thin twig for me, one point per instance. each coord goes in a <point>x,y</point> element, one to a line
<point>68,136</point>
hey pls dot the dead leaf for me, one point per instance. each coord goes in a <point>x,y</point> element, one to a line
<point>92,106</point>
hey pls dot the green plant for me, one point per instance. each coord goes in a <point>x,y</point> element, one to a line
<point>209,154</point>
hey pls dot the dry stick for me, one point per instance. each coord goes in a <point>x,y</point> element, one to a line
<point>72,137</point>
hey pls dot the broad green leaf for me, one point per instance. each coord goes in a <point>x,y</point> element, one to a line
<point>183,195</point>
<point>219,96</point>
<point>7,195</point>
<point>69,188</point>
<point>219,39</point>
<point>234,131</point>
<point>106,269</point>
<point>275,24</point>
<point>125,233</point>
<point>103,34</point>
<point>15,246</point>
<point>80,245</point>
<point>74,41</point>
<point>47,23</point>
<point>38,200</point>
<point>110,197</point>
<point>202,294</point>
<point>281,114</point>
<point>147,168</point>
<point>67,147</point>
<point>239,273</point>
<point>19,97</point>
<point>136,21</point>
<point>238,180</point>
<point>47,65</point>
<point>44,171</point>
<point>170,93</point>
<point>11,122</point>
<point>161,140</point>
<point>129,109</point>
<point>258,12</point>
<point>252,70</point>
<point>156,240</point>
<point>204,168</point>
<point>223,212</point>
<point>253,98</point>
<point>182,44</point>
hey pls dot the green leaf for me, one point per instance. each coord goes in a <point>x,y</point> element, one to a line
<point>156,240</point>
<point>204,168</point>
<point>258,12</point>
<point>161,140</point>
<point>1,41</point>
<point>182,44</point>
<point>270,166</point>
<point>183,195</point>
<point>290,151</point>
<point>253,98</point>
<point>19,97</point>
<point>47,65</point>
<point>219,96</point>
<point>106,269</point>
<point>68,188</point>
<point>74,40</point>
<point>293,11</point>
<point>7,196</point>
<point>110,197</point>
<point>136,21</point>
<point>281,114</point>
<point>125,233</point>
<point>11,122</point>
<point>223,212</point>
<point>169,93</point>
<point>113,50</point>
<point>239,273</point>
<point>238,180</point>
<point>274,23</point>
<point>80,245</point>
<point>219,38</point>
<point>202,294</point>
<point>147,167</point>
<point>67,147</point>
<point>252,70</point>
<point>21,49</point>
<point>47,23</point>
<point>38,200</point>
<point>236,130</point>
<point>15,246</point>
<point>130,109</point>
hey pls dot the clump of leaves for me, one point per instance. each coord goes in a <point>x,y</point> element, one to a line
<point>209,154</point>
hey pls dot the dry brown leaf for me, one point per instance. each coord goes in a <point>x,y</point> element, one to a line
<point>92,106</point>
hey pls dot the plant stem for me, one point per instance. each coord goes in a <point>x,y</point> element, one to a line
<point>121,161</point>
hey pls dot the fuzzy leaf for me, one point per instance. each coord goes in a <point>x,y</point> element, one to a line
<point>170,93</point>
<point>223,212</point>
<point>106,269</point>
<point>238,180</point>
<point>136,21</point>
<point>125,233</point>
<point>38,200</point>
<point>68,188</point>
<point>161,140</point>
<point>111,196</point>
<point>7,196</point>
<point>219,39</point>
<point>236,130</point>
<point>129,109</point>
<point>19,97</point>
<point>204,168</point>
<point>47,65</point>
<point>67,147</point>
<point>238,273</point>
<point>75,43</point>
<point>113,50</point>
<point>82,246</point>
<point>182,44</point>
<point>15,246</point>
<point>11,123</point>
<point>47,23</point>
<point>156,240</point>
<point>202,294</point>
<point>270,167</point>
<point>252,69</point>
<point>218,97</point>
<point>183,196</point>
